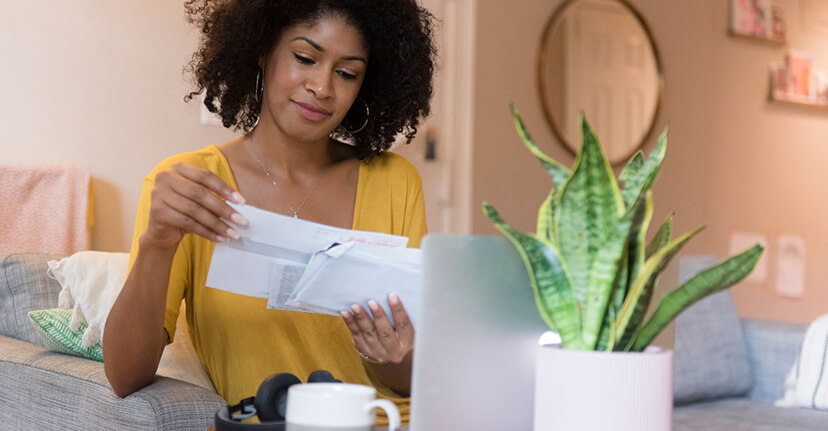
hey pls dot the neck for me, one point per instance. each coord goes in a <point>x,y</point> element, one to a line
<point>289,157</point>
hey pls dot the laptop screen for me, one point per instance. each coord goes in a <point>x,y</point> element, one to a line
<point>475,348</point>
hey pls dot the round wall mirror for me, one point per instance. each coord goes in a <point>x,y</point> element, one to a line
<point>598,57</point>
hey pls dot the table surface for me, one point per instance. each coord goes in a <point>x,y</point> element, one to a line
<point>404,428</point>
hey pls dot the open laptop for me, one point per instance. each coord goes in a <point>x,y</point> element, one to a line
<point>474,354</point>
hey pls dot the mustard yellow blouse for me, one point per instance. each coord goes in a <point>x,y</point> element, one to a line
<point>238,340</point>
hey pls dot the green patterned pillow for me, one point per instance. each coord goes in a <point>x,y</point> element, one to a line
<point>53,328</point>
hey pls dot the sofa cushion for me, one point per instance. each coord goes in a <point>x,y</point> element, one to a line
<point>25,286</point>
<point>772,348</point>
<point>711,359</point>
<point>746,415</point>
<point>42,390</point>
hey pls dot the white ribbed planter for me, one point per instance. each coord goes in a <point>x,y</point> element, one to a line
<point>600,391</point>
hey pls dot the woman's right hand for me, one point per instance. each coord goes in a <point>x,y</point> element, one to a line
<point>188,199</point>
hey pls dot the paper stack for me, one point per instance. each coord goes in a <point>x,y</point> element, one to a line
<point>304,266</point>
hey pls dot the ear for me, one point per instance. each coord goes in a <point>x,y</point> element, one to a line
<point>265,56</point>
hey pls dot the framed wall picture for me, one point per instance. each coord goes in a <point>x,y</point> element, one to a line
<point>757,19</point>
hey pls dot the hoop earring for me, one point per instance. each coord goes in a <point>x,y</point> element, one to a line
<point>258,95</point>
<point>365,123</point>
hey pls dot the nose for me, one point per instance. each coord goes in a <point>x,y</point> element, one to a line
<point>319,83</point>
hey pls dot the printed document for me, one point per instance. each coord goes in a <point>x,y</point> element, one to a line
<point>304,266</point>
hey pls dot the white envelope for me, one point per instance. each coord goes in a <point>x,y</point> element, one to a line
<point>354,273</point>
<point>273,252</point>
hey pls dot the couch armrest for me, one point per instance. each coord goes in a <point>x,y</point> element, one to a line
<point>40,389</point>
<point>772,349</point>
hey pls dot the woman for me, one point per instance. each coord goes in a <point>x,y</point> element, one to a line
<point>289,74</point>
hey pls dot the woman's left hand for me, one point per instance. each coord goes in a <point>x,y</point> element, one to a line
<point>376,339</point>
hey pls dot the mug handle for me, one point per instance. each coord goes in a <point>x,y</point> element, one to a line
<point>390,411</point>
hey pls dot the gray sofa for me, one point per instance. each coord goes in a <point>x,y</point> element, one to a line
<point>43,390</point>
<point>729,372</point>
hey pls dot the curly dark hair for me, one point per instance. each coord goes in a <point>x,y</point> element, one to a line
<point>236,34</point>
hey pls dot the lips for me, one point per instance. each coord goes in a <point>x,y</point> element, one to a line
<point>311,112</point>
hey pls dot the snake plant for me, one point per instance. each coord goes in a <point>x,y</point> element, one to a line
<point>591,269</point>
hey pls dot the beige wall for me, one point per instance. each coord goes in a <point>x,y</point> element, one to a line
<point>509,177</point>
<point>734,162</point>
<point>98,83</point>
<point>766,165</point>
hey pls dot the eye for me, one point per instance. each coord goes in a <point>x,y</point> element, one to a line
<point>303,59</point>
<point>345,75</point>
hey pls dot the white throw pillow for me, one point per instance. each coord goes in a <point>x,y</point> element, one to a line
<point>806,383</point>
<point>91,282</point>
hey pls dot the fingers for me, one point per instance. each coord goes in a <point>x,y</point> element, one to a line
<point>188,199</point>
<point>376,338</point>
<point>196,202</point>
<point>364,344</point>
<point>193,218</point>
<point>405,331</point>
<point>351,323</point>
<point>209,180</point>
<point>386,334</point>
<point>210,191</point>
<point>189,225</point>
<point>367,330</point>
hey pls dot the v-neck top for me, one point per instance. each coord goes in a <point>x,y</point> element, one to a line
<point>238,340</point>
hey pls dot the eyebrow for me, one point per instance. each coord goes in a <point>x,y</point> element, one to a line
<point>320,49</point>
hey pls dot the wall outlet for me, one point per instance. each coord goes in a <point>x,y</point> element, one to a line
<point>790,266</point>
<point>741,241</point>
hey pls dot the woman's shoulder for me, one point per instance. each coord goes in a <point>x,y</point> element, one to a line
<point>393,166</point>
<point>209,158</point>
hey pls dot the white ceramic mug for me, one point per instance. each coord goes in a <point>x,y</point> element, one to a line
<point>336,406</point>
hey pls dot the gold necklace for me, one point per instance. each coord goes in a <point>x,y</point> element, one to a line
<point>273,180</point>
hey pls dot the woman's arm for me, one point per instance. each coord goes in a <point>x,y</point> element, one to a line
<point>134,336</point>
<point>395,376</point>
<point>387,350</point>
<point>185,199</point>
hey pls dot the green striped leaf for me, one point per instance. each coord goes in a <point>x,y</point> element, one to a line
<point>634,304</point>
<point>557,171</point>
<point>709,281</point>
<point>662,237</point>
<point>635,261</point>
<point>633,167</point>
<point>638,238</point>
<point>624,342</point>
<point>639,184</point>
<point>550,281</point>
<point>546,219</point>
<point>590,207</point>
<point>604,271</point>
<point>606,337</point>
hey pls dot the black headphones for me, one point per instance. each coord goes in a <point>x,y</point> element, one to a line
<point>269,404</point>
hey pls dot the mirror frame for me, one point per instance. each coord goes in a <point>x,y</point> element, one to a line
<point>550,26</point>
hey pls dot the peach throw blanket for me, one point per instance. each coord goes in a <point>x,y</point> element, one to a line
<point>44,209</point>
